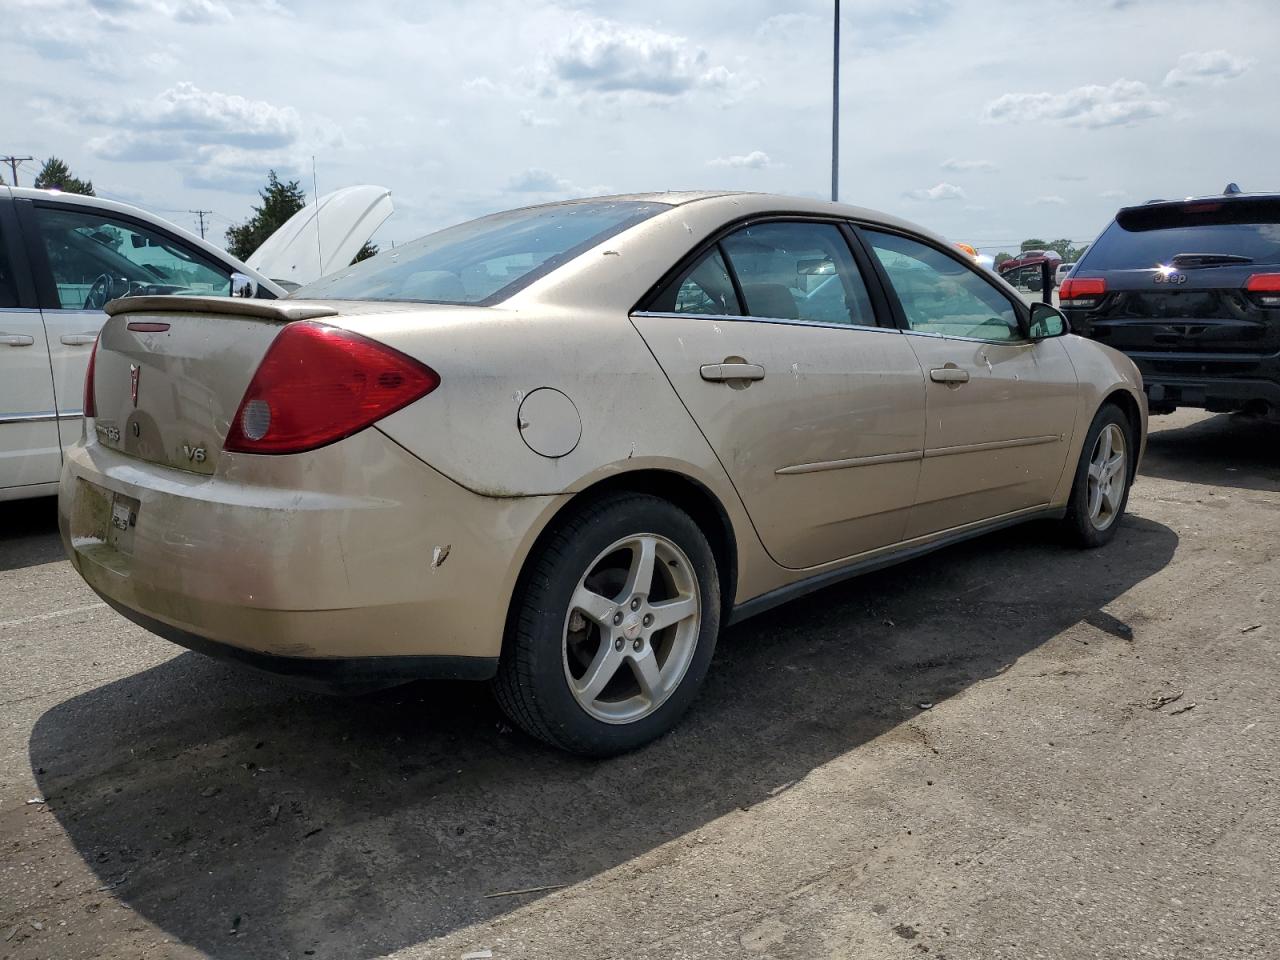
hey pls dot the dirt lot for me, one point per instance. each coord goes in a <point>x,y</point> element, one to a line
<point>812,805</point>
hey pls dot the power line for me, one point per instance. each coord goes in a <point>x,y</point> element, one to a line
<point>201,215</point>
<point>13,165</point>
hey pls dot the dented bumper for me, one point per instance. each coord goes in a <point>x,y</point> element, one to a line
<point>353,552</point>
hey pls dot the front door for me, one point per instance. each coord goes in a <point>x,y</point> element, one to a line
<point>92,256</point>
<point>815,410</point>
<point>29,450</point>
<point>1000,407</point>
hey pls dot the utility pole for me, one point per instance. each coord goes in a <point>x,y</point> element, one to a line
<point>13,165</point>
<point>835,108</point>
<point>201,215</point>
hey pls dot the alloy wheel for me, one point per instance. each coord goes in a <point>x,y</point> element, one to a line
<point>632,628</point>
<point>1108,474</point>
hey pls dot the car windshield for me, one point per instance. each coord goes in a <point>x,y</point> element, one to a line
<point>1145,237</point>
<point>486,260</point>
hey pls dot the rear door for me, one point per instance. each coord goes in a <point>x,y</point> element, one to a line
<point>1176,280</point>
<point>29,449</point>
<point>813,402</point>
<point>1000,408</point>
<point>85,256</point>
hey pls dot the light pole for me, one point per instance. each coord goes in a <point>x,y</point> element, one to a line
<point>835,107</point>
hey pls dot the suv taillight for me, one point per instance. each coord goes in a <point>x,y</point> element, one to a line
<point>318,384</point>
<point>1265,287</point>
<point>1083,294</point>
<point>89,406</point>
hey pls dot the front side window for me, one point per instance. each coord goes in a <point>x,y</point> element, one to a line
<point>96,257</point>
<point>941,295</point>
<point>798,271</point>
<point>8,283</point>
<point>483,260</point>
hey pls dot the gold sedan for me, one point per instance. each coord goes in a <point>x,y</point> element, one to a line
<point>559,447</point>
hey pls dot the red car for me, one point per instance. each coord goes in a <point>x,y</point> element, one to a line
<point>1025,270</point>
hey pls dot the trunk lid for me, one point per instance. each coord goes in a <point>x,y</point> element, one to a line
<point>170,372</point>
<point>1195,310</point>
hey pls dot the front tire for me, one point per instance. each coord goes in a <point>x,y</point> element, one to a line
<point>1100,492</point>
<point>613,627</point>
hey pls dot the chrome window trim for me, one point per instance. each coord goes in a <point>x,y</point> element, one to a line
<point>738,318</point>
<point>4,310</point>
<point>996,343</point>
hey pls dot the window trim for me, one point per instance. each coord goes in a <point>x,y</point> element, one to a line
<point>15,252</point>
<point>1020,309</point>
<point>46,286</point>
<point>880,306</point>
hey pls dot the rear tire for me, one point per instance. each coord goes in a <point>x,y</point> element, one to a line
<point>1104,474</point>
<point>613,627</point>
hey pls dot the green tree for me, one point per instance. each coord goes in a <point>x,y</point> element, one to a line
<point>280,201</point>
<point>56,175</point>
<point>1002,257</point>
<point>365,252</point>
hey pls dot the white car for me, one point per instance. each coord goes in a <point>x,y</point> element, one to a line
<point>1061,273</point>
<point>63,256</point>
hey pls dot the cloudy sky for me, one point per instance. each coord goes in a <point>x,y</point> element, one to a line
<point>987,121</point>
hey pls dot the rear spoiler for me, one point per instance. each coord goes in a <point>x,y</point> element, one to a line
<point>278,311</point>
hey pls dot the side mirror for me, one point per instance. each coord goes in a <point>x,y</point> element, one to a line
<point>243,285</point>
<point>1047,321</point>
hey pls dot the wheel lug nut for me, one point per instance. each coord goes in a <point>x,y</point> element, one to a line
<point>618,644</point>
<point>648,619</point>
<point>617,618</point>
<point>635,603</point>
<point>637,645</point>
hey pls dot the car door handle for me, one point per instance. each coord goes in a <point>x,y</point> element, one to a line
<point>78,339</point>
<point>16,340</point>
<point>949,375</point>
<point>719,372</point>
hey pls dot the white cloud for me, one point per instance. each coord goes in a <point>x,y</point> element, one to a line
<point>1209,66</point>
<point>537,180</point>
<point>941,191</point>
<point>755,160</point>
<point>1050,200</point>
<point>1112,194</point>
<point>1122,102</point>
<point>530,119</point>
<point>967,166</point>
<point>604,57</point>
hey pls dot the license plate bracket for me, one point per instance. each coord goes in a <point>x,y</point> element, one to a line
<point>124,521</point>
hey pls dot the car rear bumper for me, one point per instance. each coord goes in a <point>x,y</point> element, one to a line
<point>1219,382</point>
<point>351,553</point>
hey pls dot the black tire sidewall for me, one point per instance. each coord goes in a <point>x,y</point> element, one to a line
<point>539,630</point>
<point>1080,527</point>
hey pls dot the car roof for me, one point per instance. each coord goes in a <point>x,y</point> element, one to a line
<point>114,206</point>
<point>1208,198</point>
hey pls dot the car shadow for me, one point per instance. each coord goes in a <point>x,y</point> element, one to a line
<point>249,819</point>
<point>1225,450</point>
<point>29,533</point>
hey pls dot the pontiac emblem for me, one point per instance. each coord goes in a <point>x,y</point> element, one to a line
<point>134,372</point>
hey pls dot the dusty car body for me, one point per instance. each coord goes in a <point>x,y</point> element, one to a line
<point>623,398</point>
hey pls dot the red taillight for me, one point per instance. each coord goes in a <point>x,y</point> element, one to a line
<point>1263,283</point>
<point>318,384</point>
<point>1267,285</point>
<point>1088,287</point>
<point>89,406</point>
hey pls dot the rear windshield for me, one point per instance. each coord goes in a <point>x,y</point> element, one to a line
<point>1145,237</point>
<point>486,260</point>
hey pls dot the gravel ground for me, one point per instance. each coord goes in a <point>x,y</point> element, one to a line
<point>1008,749</point>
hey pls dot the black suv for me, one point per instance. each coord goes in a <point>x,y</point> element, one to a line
<point>1190,290</point>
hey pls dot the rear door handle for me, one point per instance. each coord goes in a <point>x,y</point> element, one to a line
<point>719,372</point>
<point>949,375</point>
<point>16,340</point>
<point>78,339</point>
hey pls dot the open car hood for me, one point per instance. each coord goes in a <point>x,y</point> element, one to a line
<point>323,237</point>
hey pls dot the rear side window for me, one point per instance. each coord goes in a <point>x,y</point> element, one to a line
<point>1146,237</point>
<point>705,290</point>
<point>8,283</point>
<point>799,271</point>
